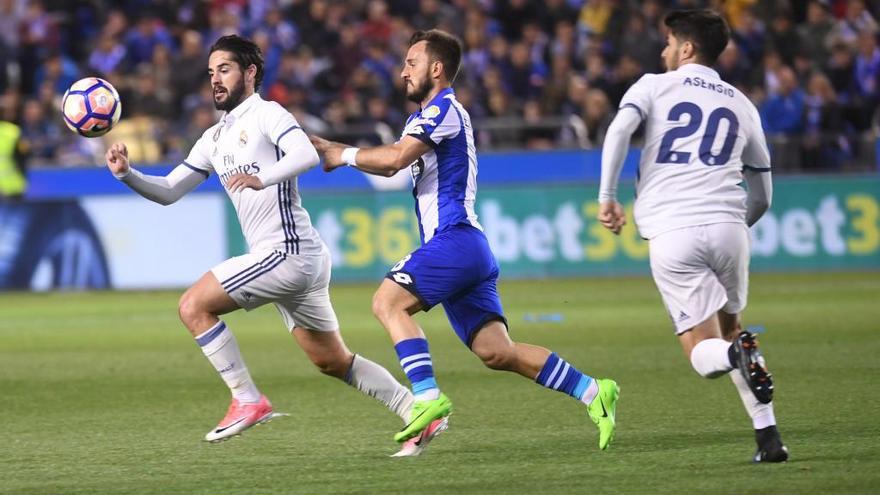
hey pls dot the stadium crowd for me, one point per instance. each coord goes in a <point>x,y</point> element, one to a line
<point>535,75</point>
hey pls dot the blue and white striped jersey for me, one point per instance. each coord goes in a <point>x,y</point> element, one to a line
<point>444,178</point>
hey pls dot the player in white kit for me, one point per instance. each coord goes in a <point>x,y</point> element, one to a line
<point>257,150</point>
<point>702,137</point>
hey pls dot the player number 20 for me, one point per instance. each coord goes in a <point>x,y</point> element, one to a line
<point>668,155</point>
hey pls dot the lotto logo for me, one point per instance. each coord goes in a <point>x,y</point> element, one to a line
<point>400,263</point>
<point>402,278</point>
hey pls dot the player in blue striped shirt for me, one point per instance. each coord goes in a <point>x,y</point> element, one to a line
<point>454,266</point>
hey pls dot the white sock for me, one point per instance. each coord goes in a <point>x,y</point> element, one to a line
<point>761,414</point>
<point>378,383</point>
<point>219,346</point>
<point>710,358</point>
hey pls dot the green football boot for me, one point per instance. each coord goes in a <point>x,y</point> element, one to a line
<point>423,413</point>
<point>603,409</point>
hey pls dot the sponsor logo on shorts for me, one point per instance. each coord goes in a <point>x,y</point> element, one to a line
<point>682,316</point>
<point>402,278</point>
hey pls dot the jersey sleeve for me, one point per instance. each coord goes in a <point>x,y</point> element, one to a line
<point>755,154</point>
<point>199,158</point>
<point>639,96</point>
<point>276,122</point>
<point>439,121</point>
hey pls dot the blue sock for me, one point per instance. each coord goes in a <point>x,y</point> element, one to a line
<point>558,374</point>
<point>416,363</point>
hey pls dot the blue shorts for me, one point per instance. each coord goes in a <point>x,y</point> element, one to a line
<point>457,269</point>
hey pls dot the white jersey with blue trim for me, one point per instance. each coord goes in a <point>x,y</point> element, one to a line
<point>699,134</point>
<point>246,140</point>
<point>444,178</point>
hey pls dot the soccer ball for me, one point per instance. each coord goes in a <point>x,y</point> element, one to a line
<point>91,107</point>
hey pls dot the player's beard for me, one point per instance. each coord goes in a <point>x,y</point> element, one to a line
<point>418,93</point>
<point>233,98</point>
<point>671,60</point>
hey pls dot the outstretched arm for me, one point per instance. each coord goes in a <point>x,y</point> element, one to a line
<point>614,151</point>
<point>162,190</point>
<point>385,160</point>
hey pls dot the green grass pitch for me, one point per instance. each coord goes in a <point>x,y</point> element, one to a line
<point>107,393</point>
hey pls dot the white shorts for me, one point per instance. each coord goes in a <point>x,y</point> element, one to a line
<point>700,270</point>
<point>297,284</point>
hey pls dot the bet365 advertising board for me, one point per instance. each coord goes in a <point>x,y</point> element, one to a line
<point>546,230</point>
<point>108,237</point>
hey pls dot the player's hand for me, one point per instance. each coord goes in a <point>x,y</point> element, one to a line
<point>239,182</point>
<point>611,216</point>
<point>330,151</point>
<point>117,159</point>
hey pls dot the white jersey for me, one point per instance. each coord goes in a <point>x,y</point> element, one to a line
<point>244,141</point>
<point>699,134</point>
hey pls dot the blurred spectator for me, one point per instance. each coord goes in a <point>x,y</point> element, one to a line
<point>149,99</point>
<point>107,55</point>
<point>594,16</point>
<point>297,104</point>
<point>536,133</point>
<point>749,36</point>
<point>315,31</point>
<point>555,89</point>
<point>282,32</point>
<point>512,15</point>
<point>271,56</point>
<point>59,71</point>
<point>626,73</point>
<point>433,13</point>
<point>771,65</point>
<point>841,71</point>
<point>382,65</point>
<point>642,44</point>
<point>39,37</point>
<point>734,69</point>
<point>13,180</point>
<point>5,61</point>
<point>815,33</point>
<point>782,113</point>
<point>597,116</point>
<point>377,26</point>
<point>782,37</point>
<point>40,137</point>
<point>140,42</point>
<point>347,54</point>
<point>190,66</point>
<point>555,11</point>
<point>857,20</point>
<point>825,135</point>
<point>11,15</point>
<point>524,77</point>
<point>867,71</point>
